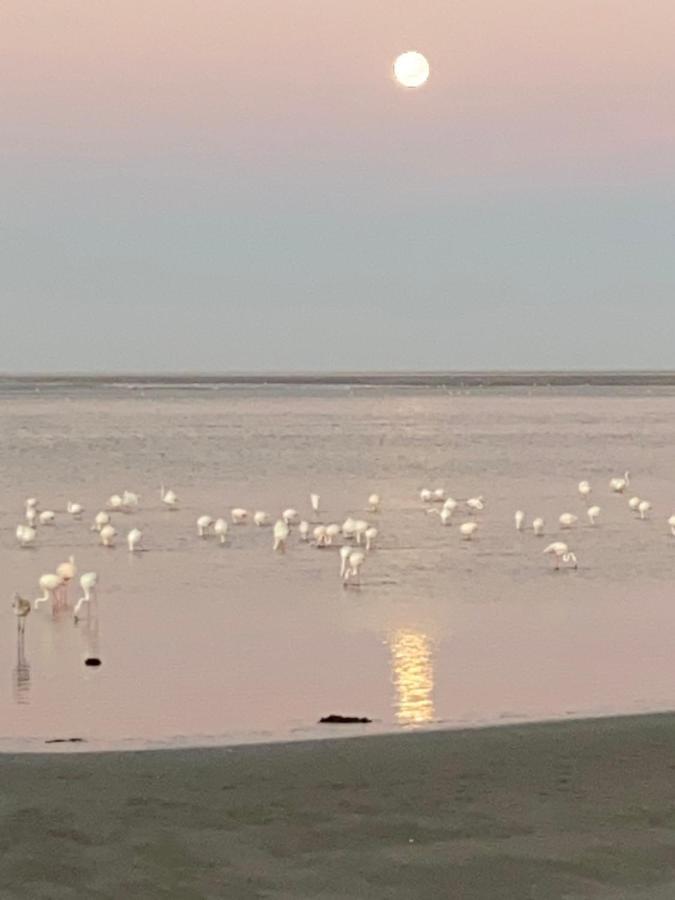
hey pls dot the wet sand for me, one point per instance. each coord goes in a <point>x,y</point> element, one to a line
<point>582,809</point>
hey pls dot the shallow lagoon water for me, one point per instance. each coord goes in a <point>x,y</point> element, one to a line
<point>203,644</point>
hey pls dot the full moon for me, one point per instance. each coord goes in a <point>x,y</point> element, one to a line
<point>411,69</point>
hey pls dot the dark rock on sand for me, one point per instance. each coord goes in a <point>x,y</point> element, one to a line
<point>344,720</point>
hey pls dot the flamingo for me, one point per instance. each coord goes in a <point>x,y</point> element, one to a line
<point>32,503</point>
<point>100,521</point>
<point>450,504</point>
<point>593,512</point>
<point>303,529</point>
<point>332,532</point>
<point>203,525</point>
<point>169,499</point>
<point>567,520</point>
<point>439,495</point>
<point>426,496</point>
<point>584,489</point>
<point>281,532</point>
<point>353,570</point>
<point>314,501</point>
<point>31,516</point>
<point>374,503</point>
<point>74,509</point>
<point>49,585</point>
<point>261,518</point>
<point>130,501</point>
<point>67,570</point>
<point>348,528</point>
<point>360,528</point>
<point>345,553</point>
<point>475,504</point>
<point>644,508</point>
<point>519,519</point>
<point>671,522</point>
<point>134,538</point>
<point>115,502</point>
<point>220,530</point>
<point>320,536</point>
<point>89,585</point>
<point>107,536</point>
<point>619,485</point>
<point>239,516</point>
<point>25,535</point>
<point>290,516</point>
<point>634,503</point>
<point>370,535</point>
<point>21,609</point>
<point>467,530</point>
<point>538,526</point>
<point>561,552</point>
<point>48,517</point>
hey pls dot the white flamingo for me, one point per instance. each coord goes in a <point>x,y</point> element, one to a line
<point>25,535</point>
<point>220,529</point>
<point>49,585</point>
<point>671,523</point>
<point>281,532</point>
<point>320,536</point>
<point>169,498</point>
<point>439,495</point>
<point>475,504</point>
<point>260,518</point>
<point>74,509</point>
<point>47,517</point>
<point>349,528</point>
<point>519,519</point>
<point>360,528</point>
<point>374,503</point>
<point>115,502</point>
<point>67,570</point>
<point>634,503</point>
<point>303,529</point>
<point>238,516</point>
<point>370,536</point>
<point>134,538</point>
<point>290,516</point>
<point>101,519</point>
<point>130,501</point>
<point>333,532</point>
<point>203,525</point>
<point>353,571</point>
<point>31,516</point>
<point>644,508</point>
<point>567,520</point>
<point>538,526</point>
<point>561,552</point>
<point>619,485</point>
<point>314,500</point>
<point>89,585</point>
<point>107,536</point>
<point>593,512</point>
<point>584,489</point>
<point>345,553</point>
<point>426,496</point>
<point>467,530</point>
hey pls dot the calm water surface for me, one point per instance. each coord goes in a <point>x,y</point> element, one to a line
<point>206,644</point>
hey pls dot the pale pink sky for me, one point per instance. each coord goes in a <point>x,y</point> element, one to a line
<point>246,173</point>
<point>580,84</point>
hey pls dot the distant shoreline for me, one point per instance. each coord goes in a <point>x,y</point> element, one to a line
<point>393,379</point>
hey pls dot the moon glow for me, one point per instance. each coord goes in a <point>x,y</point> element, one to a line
<point>411,69</point>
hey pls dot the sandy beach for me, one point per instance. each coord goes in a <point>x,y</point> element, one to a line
<point>577,809</point>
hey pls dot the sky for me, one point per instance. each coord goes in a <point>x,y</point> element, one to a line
<point>240,185</point>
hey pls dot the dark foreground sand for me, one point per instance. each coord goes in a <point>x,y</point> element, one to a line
<point>575,809</point>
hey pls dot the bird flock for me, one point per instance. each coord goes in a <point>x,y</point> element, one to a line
<point>355,537</point>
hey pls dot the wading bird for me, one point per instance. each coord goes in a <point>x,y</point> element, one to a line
<point>619,485</point>
<point>89,585</point>
<point>593,512</point>
<point>561,552</point>
<point>281,532</point>
<point>220,530</point>
<point>134,538</point>
<point>21,609</point>
<point>538,526</point>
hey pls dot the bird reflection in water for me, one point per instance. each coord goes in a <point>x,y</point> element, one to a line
<point>413,676</point>
<point>21,672</point>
